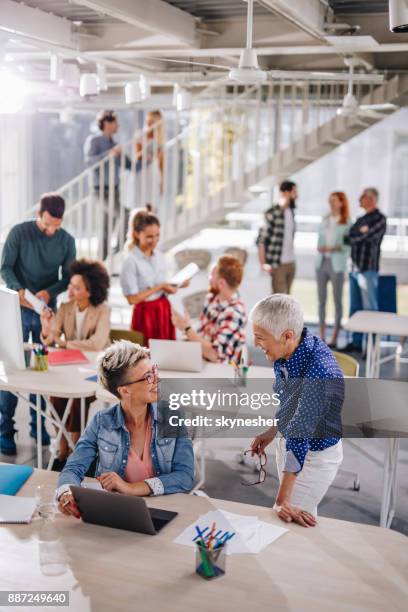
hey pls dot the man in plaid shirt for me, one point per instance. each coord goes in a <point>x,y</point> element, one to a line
<point>275,240</point>
<point>223,318</point>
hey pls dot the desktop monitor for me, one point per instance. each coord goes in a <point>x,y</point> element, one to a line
<point>11,332</point>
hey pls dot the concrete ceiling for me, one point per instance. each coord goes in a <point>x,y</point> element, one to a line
<point>161,38</point>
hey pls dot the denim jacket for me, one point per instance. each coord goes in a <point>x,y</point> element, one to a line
<point>107,440</point>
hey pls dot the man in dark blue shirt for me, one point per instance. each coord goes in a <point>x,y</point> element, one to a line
<point>36,256</point>
<point>96,148</point>
<point>365,239</point>
<point>311,388</point>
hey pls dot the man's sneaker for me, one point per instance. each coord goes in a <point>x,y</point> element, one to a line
<point>7,445</point>
<point>45,437</point>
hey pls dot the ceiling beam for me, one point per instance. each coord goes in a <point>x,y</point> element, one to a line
<point>154,16</point>
<point>64,52</point>
<point>309,16</point>
<point>235,51</point>
<point>35,24</point>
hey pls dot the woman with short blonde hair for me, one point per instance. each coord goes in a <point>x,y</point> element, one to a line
<point>135,453</point>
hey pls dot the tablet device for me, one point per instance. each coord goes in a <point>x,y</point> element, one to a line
<point>120,511</point>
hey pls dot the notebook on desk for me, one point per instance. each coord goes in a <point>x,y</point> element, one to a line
<point>67,357</point>
<point>16,509</point>
<point>12,478</point>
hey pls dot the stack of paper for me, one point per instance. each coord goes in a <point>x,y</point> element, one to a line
<point>251,534</point>
<point>16,509</point>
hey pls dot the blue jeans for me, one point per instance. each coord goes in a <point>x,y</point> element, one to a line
<point>363,296</point>
<point>8,402</point>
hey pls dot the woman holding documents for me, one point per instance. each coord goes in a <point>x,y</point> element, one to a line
<point>135,452</point>
<point>311,390</point>
<point>143,279</point>
<point>81,323</point>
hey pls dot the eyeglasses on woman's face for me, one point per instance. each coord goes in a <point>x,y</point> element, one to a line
<point>262,472</point>
<point>149,377</point>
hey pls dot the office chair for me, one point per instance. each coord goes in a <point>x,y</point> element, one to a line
<point>349,367</point>
<point>127,334</point>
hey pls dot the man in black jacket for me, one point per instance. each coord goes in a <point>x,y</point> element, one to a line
<point>365,239</point>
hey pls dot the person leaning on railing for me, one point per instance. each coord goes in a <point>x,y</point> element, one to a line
<point>96,148</point>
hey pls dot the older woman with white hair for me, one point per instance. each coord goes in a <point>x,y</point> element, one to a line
<point>311,387</point>
<point>136,452</point>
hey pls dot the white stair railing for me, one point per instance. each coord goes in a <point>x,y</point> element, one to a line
<point>231,141</point>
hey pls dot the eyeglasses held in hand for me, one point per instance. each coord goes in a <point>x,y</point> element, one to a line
<point>263,459</point>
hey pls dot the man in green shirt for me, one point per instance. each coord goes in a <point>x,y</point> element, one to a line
<point>36,256</point>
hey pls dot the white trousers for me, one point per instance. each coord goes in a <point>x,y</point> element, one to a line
<point>319,471</point>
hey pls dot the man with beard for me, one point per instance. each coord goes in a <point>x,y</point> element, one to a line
<point>276,238</point>
<point>223,318</point>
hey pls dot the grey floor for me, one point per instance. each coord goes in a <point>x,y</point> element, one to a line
<point>224,474</point>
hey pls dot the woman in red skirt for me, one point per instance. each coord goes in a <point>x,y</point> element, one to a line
<point>143,279</point>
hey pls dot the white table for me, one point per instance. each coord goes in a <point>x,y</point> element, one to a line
<point>210,371</point>
<point>70,382</point>
<point>59,381</point>
<point>337,565</point>
<point>377,324</point>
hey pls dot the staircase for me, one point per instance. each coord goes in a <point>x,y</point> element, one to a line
<point>233,141</point>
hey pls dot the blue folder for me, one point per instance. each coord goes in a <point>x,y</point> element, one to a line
<point>12,478</point>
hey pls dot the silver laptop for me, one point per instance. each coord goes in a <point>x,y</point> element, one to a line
<point>175,355</point>
<point>120,511</point>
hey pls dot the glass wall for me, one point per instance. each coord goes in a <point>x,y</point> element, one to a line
<point>378,157</point>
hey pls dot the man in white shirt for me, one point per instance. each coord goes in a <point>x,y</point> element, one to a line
<point>276,240</point>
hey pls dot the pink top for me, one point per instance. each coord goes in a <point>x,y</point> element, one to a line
<point>137,468</point>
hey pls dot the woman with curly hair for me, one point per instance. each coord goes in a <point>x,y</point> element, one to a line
<point>81,323</point>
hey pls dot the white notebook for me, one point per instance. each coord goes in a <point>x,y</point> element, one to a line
<point>16,509</point>
<point>185,274</point>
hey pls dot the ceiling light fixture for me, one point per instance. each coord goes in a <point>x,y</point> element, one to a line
<point>137,91</point>
<point>182,98</point>
<point>88,85</point>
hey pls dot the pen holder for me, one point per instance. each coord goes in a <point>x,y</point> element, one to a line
<point>210,563</point>
<point>40,363</point>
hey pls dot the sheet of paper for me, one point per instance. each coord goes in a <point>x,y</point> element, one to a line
<point>35,302</point>
<point>251,534</point>
<point>16,509</point>
<point>184,274</point>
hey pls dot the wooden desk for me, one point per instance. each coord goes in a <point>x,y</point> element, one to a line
<point>337,565</point>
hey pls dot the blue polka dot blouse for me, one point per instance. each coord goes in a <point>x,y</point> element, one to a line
<point>311,388</point>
